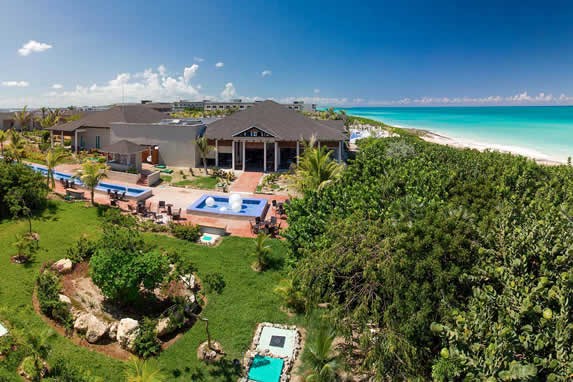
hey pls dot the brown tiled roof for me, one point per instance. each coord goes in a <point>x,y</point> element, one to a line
<point>282,123</point>
<point>125,113</point>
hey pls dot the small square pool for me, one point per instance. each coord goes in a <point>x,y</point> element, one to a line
<point>220,205</point>
<point>266,369</point>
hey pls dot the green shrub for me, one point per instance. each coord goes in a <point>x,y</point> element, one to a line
<point>48,291</point>
<point>146,343</point>
<point>31,367</point>
<point>63,371</point>
<point>82,250</point>
<point>114,216</point>
<point>189,232</point>
<point>215,282</point>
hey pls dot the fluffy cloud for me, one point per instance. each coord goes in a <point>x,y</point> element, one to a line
<point>523,98</point>
<point>128,87</point>
<point>229,91</point>
<point>33,46</point>
<point>266,73</point>
<point>219,64</point>
<point>190,72</point>
<point>57,86</point>
<point>16,84</point>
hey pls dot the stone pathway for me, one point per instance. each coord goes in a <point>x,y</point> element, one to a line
<point>247,182</point>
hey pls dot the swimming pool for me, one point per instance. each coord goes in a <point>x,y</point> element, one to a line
<point>250,207</point>
<point>266,369</point>
<point>130,192</point>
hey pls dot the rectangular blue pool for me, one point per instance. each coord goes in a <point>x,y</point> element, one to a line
<point>266,369</point>
<point>219,205</point>
<point>130,192</point>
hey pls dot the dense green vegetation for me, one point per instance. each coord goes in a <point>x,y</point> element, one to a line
<point>202,182</point>
<point>442,263</point>
<point>22,191</point>
<point>247,299</point>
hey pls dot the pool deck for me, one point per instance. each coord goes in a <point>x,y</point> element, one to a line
<point>182,198</point>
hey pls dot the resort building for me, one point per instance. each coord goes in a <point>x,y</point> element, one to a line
<point>267,137</point>
<point>264,137</point>
<point>165,141</point>
<point>237,104</point>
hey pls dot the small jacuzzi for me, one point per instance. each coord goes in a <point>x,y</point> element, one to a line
<point>209,239</point>
<point>266,369</point>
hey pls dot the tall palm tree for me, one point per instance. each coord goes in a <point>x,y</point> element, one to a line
<point>262,251</point>
<point>23,117</point>
<point>53,158</point>
<point>139,370</point>
<point>3,138</point>
<point>91,174</point>
<point>319,359</point>
<point>316,168</point>
<point>50,119</point>
<point>204,148</point>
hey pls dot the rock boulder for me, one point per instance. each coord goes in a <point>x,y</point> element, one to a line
<point>97,329</point>
<point>127,331</point>
<point>63,266</point>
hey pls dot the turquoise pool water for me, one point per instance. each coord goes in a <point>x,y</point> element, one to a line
<point>102,186</point>
<point>266,369</point>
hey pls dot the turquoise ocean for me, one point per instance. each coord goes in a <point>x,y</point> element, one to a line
<point>544,132</point>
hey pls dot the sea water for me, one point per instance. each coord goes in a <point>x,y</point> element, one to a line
<point>543,132</point>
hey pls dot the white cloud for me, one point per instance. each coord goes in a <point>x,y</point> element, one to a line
<point>219,64</point>
<point>162,70</point>
<point>33,46</point>
<point>229,91</point>
<point>266,73</point>
<point>16,84</point>
<point>57,86</point>
<point>316,91</point>
<point>198,59</point>
<point>190,72</point>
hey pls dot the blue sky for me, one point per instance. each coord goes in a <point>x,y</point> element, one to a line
<point>328,52</point>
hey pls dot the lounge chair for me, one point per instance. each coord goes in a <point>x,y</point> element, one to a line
<point>161,206</point>
<point>273,220</point>
<point>122,196</point>
<point>177,215</point>
<point>254,227</point>
<point>274,203</point>
<point>257,220</point>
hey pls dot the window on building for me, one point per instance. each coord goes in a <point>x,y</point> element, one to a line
<point>82,141</point>
<point>98,142</point>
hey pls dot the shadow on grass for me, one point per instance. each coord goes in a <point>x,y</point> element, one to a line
<point>275,262</point>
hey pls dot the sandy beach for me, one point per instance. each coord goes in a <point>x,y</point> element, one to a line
<point>441,139</point>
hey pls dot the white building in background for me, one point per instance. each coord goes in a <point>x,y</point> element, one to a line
<point>238,104</point>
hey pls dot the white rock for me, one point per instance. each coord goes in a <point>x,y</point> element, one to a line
<point>162,328</point>
<point>127,331</point>
<point>63,266</point>
<point>81,322</point>
<point>96,329</point>
<point>65,299</point>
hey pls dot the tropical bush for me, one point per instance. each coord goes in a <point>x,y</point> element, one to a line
<point>123,266</point>
<point>189,232</point>
<point>82,250</point>
<point>23,191</point>
<point>48,290</point>
<point>430,255</point>
<point>146,343</point>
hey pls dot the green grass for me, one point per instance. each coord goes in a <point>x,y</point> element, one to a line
<point>202,182</point>
<point>247,299</point>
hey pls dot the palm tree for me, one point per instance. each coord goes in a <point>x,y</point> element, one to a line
<point>50,119</point>
<point>204,149</point>
<point>16,146</point>
<point>139,370</point>
<point>316,168</point>
<point>23,118</point>
<point>319,360</point>
<point>91,174</point>
<point>53,158</point>
<point>3,138</point>
<point>262,252</point>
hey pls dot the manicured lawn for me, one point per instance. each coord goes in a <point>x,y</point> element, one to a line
<point>202,182</point>
<point>247,299</point>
